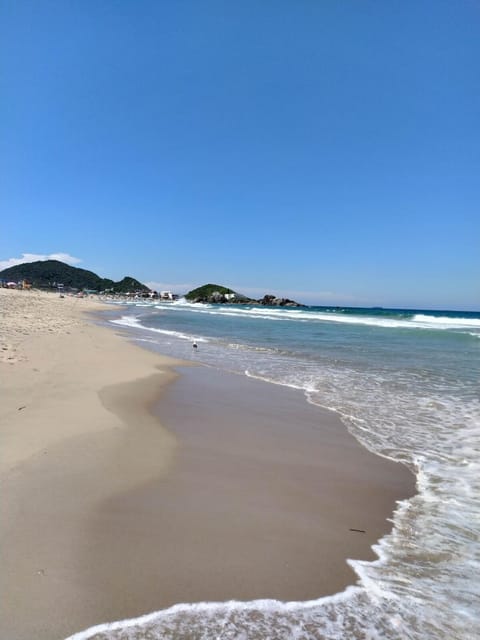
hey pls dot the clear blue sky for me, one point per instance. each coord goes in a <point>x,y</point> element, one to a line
<point>323,149</point>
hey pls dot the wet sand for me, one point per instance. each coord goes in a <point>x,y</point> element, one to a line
<point>267,498</point>
<point>234,489</point>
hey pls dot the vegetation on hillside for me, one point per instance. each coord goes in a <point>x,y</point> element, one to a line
<point>215,293</point>
<point>51,273</point>
<point>206,291</point>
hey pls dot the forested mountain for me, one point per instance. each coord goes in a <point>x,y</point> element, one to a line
<point>51,273</point>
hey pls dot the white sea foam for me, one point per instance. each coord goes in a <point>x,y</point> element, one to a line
<point>209,611</point>
<point>134,322</point>
<point>128,321</point>
<point>436,533</point>
<point>446,321</point>
<point>418,321</point>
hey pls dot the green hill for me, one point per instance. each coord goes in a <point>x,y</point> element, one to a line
<point>215,293</point>
<point>206,291</point>
<point>51,273</point>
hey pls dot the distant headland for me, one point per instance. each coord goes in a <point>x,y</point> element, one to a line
<point>216,294</point>
<point>57,275</point>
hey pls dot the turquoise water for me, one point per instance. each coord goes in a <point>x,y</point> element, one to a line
<point>406,384</point>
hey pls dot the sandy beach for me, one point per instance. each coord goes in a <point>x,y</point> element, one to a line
<point>131,482</point>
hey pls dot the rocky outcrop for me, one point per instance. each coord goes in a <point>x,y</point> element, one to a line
<point>216,297</point>
<point>216,294</point>
<point>273,301</point>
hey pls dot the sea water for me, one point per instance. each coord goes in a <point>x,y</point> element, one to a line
<point>406,384</point>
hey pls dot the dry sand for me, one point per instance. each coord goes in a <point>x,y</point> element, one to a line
<point>250,493</point>
<point>62,452</point>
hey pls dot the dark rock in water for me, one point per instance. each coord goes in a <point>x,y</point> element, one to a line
<point>273,301</point>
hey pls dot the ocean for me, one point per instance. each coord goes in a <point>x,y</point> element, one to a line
<point>406,385</point>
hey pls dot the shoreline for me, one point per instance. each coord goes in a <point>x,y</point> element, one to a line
<point>286,482</point>
<point>116,503</point>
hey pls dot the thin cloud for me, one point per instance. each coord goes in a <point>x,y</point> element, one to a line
<point>34,257</point>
